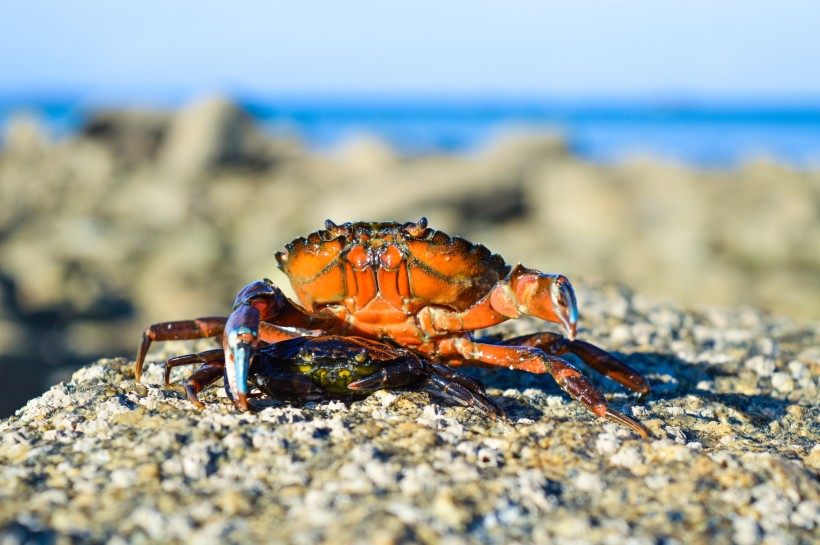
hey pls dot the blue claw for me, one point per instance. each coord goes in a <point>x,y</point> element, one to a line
<point>240,343</point>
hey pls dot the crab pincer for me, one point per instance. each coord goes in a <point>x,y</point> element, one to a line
<point>245,329</point>
<point>241,336</point>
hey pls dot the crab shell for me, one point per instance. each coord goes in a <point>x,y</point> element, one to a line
<point>413,266</point>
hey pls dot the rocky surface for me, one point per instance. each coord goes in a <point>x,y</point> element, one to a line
<point>734,456</point>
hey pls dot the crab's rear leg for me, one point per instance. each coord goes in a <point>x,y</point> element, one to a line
<point>413,372</point>
<point>202,328</point>
<point>213,366</point>
<point>400,374</point>
<point>600,360</point>
<point>466,389</point>
<point>215,355</point>
<point>199,328</point>
<point>534,360</point>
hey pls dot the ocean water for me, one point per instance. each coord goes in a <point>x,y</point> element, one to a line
<point>709,135</point>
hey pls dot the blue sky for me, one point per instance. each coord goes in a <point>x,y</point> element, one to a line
<point>648,48</point>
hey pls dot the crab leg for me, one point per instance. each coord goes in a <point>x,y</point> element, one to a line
<point>207,374</point>
<point>534,360</point>
<point>406,373</point>
<point>525,292</point>
<point>199,328</point>
<point>600,360</point>
<point>446,378</point>
<point>215,355</point>
<point>286,385</point>
<point>399,374</point>
<point>204,376</point>
<point>472,383</point>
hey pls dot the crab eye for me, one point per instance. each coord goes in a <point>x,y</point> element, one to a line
<point>416,229</point>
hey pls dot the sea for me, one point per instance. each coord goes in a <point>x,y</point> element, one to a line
<point>714,135</point>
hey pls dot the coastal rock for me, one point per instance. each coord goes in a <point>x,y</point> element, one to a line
<point>134,136</point>
<point>24,136</point>
<point>212,133</point>
<point>732,459</point>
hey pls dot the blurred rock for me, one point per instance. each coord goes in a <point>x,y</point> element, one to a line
<point>523,149</point>
<point>366,155</point>
<point>213,133</point>
<point>134,136</point>
<point>23,135</point>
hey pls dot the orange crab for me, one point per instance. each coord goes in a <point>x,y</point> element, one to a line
<point>418,288</point>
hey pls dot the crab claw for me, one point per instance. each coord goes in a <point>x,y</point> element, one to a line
<point>564,304</point>
<point>239,343</point>
<point>546,296</point>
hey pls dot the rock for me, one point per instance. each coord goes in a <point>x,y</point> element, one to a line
<point>135,136</point>
<point>212,133</point>
<point>24,136</point>
<point>366,155</point>
<point>521,150</point>
<point>102,459</point>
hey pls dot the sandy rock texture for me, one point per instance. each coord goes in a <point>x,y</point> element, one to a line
<point>152,216</point>
<point>734,456</point>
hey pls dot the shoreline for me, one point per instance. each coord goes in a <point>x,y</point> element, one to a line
<point>710,134</point>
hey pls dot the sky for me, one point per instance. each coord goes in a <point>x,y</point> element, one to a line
<point>644,49</point>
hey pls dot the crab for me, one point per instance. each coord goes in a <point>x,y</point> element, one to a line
<point>334,366</point>
<point>414,287</point>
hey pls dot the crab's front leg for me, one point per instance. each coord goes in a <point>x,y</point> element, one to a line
<point>525,292</point>
<point>599,360</point>
<point>534,360</point>
<point>257,303</point>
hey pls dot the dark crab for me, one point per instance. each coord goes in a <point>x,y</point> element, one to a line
<point>417,288</point>
<point>332,366</point>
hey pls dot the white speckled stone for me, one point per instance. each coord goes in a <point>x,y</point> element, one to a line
<point>102,459</point>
